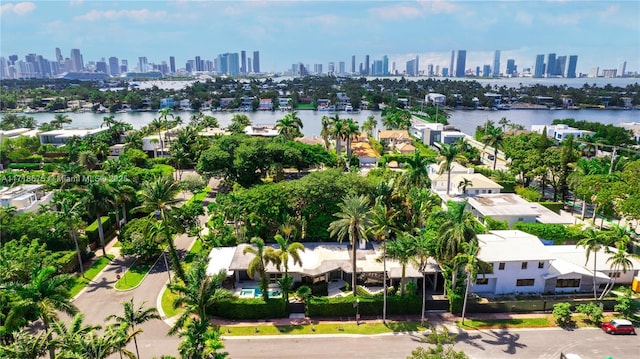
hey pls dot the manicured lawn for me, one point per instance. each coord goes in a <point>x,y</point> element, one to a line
<point>167,296</point>
<point>200,196</point>
<point>324,328</point>
<point>507,323</point>
<point>133,276</point>
<point>90,273</point>
<point>308,106</point>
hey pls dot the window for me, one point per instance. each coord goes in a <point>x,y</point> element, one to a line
<point>524,265</point>
<point>540,265</point>
<point>520,219</point>
<point>568,283</point>
<point>614,275</point>
<point>525,282</point>
<point>482,281</point>
<point>501,266</point>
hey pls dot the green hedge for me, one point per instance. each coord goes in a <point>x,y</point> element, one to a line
<point>508,186</point>
<point>554,206</point>
<point>24,166</point>
<point>92,230</point>
<point>371,306</point>
<point>253,308</point>
<point>66,261</point>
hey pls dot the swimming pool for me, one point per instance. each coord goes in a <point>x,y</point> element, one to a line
<point>255,292</point>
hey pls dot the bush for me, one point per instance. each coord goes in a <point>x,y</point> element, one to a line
<point>92,230</point>
<point>554,206</point>
<point>456,301</point>
<point>253,308</point>
<point>410,288</point>
<point>135,242</point>
<point>562,314</point>
<point>24,166</point>
<point>530,194</point>
<point>66,261</point>
<point>493,224</point>
<point>320,289</point>
<point>369,305</point>
<point>627,306</point>
<point>592,311</point>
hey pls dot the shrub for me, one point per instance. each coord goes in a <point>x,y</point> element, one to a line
<point>627,306</point>
<point>66,261</point>
<point>24,166</point>
<point>562,314</point>
<point>303,292</point>
<point>252,308</point>
<point>530,194</point>
<point>92,230</point>
<point>410,288</point>
<point>493,224</point>
<point>592,311</point>
<point>554,206</point>
<point>369,305</point>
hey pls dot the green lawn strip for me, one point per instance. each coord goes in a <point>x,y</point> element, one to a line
<point>200,196</point>
<point>117,244</point>
<point>133,276</point>
<point>323,328</point>
<point>193,252</point>
<point>167,296</point>
<point>305,106</point>
<point>90,273</point>
<point>507,323</point>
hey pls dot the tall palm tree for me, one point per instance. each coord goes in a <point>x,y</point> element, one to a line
<point>337,131</point>
<point>262,256</point>
<point>351,130</point>
<point>88,159</point>
<point>354,219</point>
<point>100,201</point>
<point>201,340</point>
<point>122,194</point>
<point>69,211</point>
<point>472,265</point>
<point>159,197</point>
<point>133,316</point>
<point>26,345</point>
<point>401,249</point>
<point>325,132</point>
<point>464,184</point>
<point>289,126</point>
<point>95,345</point>
<point>59,120</point>
<point>494,138</point>
<point>67,336</point>
<point>415,173</point>
<point>593,241</point>
<point>424,244</point>
<point>41,298</point>
<point>288,250</point>
<point>619,261</point>
<point>369,125</point>
<point>449,153</point>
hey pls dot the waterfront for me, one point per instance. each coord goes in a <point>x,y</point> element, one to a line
<point>466,121</point>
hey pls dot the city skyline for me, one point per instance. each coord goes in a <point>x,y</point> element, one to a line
<point>402,31</point>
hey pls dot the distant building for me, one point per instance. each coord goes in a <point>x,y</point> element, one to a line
<point>60,137</point>
<point>256,62</point>
<point>539,66</point>
<point>496,64</point>
<point>25,198</point>
<point>461,63</point>
<point>571,68</point>
<point>114,67</point>
<point>560,132</point>
<point>511,67</point>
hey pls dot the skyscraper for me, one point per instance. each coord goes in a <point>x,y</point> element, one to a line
<point>249,65</point>
<point>385,65</point>
<point>453,56</point>
<point>59,57</point>
<point>561,62</point>
<point>538,70</point>
<point>114,68</point>
<point>353,64</point>
<point>76,60</point>
<point>142,64</point>
<point>411,68</point>
<point>461,63</point>
<point>511,67</point>
<point>571,69</point>
<point>243,62</point>
<point>101,66</point>
<point>256,62</point>
<point>124,66</point>
<point>341,68</point>
<point>367,70</point>
<point>198,64</point>
<point>496,64</point>
<point>172,64</point>
<point>551,64</point>
<point>622,69</point>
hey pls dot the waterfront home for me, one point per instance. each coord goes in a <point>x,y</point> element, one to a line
<point>116,150</point>
<point>61,136</point>
<point>561,132</point>
<point>262,130</point>
<point>25,198</point>
<point>436,99</point>
<point>266,104</point>
<point>367,155</point>
<point>634,127</point>
<point>390,138</point>
<point>167,102</point>
<point>15,133</point>
<point>157,145</point>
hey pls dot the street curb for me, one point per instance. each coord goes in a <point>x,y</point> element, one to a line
<point>141,280</point>
<point>96,276</point>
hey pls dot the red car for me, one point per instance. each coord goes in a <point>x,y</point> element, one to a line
<point>618,326</point>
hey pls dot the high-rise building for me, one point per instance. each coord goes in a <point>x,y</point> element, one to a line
<point>341,68</point>
<point>376,68</point>
<point>367,70</point>
<point>142,64</point>
<point>453,56</point>
<point>496,64</point>
<point>430,70</point>
<point>445,72</point>
<point>412,67</point>
<point>622,69</point>
<point>561,63</point>
<point>486,71</point>
<point>571,69</point>
<point>124,66</point>
<point>594,72</point>
<point>198,64</point>
<point>114,68</point>
<point>243,62</point>
<point>256,62</point>
<point>59,57</point>
<point>172,64</point>
<point>189,66</point>
<point>551,64</point>
<point>353,64</point>
<point>101,66</point>
<point>249,65</point>
<point>461,63</point>
<point>385,65</point>
<point>331,70</point>
<point>539,67</point>
<point>511,67</point>
<point>76,60</point>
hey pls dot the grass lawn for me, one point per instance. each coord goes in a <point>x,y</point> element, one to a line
<point>168,297</point>
<point>200,196</point>
<point>306,106</point>
<point>324,328</point>
<point>507,323</point>
<point>133,276</point>
<point>90,273</point>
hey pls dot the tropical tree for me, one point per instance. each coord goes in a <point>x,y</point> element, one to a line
<point>70,211</point>
<point>337,131</point>
<point>59,120</point>
<point>288,250</point>
<point>593,241</point>
<point>88,159</point>
<point>494,138</point>
<point>238,123</point>
<point>289,126</point>
<point>122,194</point>
<point>201,340</point>
<point>67,336</point>
<point>100,200</point>
<point>401,249</point>
<point>464,184</point>
<point>472,265</point>
<point>415,173</point>
<point>25,345</point>
<point>133,316</point>
<point>351,130</point>
<point>369,125</point>
<point>262,256</point>
<point>354,219</point>
<point>158,198</point>
<point>619,261</point>
<point>449,153</point>
<point>41,298</point>
<point>325,132</point>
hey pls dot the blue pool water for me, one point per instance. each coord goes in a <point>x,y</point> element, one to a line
<point>257,293</point>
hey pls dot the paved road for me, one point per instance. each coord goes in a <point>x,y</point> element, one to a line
<point>523,343</point>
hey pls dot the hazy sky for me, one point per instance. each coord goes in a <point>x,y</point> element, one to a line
<point>601,33</point>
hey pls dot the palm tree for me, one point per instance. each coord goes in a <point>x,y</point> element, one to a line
<point>88,159</point>
<point>415,173</point>
<point>289,126</point>
<point>401,249</point>
<point>133,316</point>
<point>94,345</point>
<point>369,125</point>
<point>99,202</point>
<point>325,133</point>
<point>59,120</point>
<point>201,340</point>
<point>472,265</point>
<point>41,298</point>
<point>423,251</point>
<point>449,153</point>
<point>464,184</point>
<point>288,250</point>
<point>70,212</point>
<point>619,261</point>
<point>25,345</point>
<point>494,138</point>
<point>68,335</point>
<point>351,129</point>
<point>354,219</point>
<point>337,131</point>
<point>263,255</point>
<point>198,292</point>
<point>592,241</point>
<point>122,194</point>
<point>158,198</point>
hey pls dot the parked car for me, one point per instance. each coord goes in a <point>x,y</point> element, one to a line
<point>618,326</point>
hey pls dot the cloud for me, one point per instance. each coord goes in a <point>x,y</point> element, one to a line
<point>524,18</point>
<point>142,15</point>
<point>20,8</point>
<point>76,2</point>
<point>396,12</point>
<point>439,7</point>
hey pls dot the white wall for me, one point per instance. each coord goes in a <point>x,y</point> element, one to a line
<point>505,280</point>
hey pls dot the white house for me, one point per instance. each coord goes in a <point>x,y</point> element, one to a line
<point>475,183</point>
<point>560,132</point>
<point>25,198</point>
<point>60,137</point>
<point>512,208</point>
<point>17,133</point>
<point>633,127</point>
<point>436,99</point>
